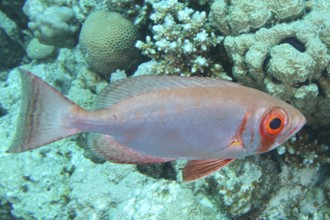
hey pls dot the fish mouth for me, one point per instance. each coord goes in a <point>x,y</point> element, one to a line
<point>300,122</point>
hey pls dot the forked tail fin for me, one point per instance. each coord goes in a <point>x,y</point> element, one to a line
<point>45,115</point>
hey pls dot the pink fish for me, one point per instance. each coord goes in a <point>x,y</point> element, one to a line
<point>153,119</point>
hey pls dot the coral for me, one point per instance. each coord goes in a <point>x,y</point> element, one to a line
<point>236,17</point>
<point>13,9</point>
<point>12,48</point>
<point>3,111</point>
<point>288,61</point>
<point>182,40</point>
<point>117,75</point>
<point>286,54</point>
<point>147,68</point>
<point>180,203</point>
<point>158,171</point>
<point>46,194</point>
<point>107,42</point>
<point>305,150</point>
<point>10,27</point>
<point>241,188</point>
<point>128,8</point>
<point>55,25</point>
<point>11,52</point>
<point>294,193</point>
<point>314,204</point>
<point>38,51</point>
<point>271,187</point>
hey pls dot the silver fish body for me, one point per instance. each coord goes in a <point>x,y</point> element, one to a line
<point>151,119</point>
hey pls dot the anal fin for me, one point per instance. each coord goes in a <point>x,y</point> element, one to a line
<point>106,147</point>
<point>196,169</point>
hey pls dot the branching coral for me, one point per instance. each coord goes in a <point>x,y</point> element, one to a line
<point>182,40</point>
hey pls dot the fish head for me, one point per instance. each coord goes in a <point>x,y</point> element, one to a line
<point>271,126</point>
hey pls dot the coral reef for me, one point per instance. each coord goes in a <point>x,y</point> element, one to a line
<point>236,17</point>
<point>288,61</point>
<point>182,38</point>
<point>279,47</point>
<point>128,8</point>
<point>55,25</point>
<point>11,44</point>
<point>241,188</point>
<point>107,42</point>
<point>305,150</point>
<point>11,28</point>
<point>11,52</point>
<point>13,10</point>
<point>294,195</point>
<point>38,51</point>
<point>266,188</point>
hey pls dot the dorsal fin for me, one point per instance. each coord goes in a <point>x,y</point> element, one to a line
<point>139,85</point>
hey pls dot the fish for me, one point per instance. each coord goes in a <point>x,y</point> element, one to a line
<point>154,119</point>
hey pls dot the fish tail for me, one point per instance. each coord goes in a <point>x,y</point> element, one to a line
<point>45,115</point>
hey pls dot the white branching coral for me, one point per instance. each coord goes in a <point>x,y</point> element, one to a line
<point>182,40</point>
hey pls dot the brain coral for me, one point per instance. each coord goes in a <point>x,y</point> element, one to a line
<point>107,42</point>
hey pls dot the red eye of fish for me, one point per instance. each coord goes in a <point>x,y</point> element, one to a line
<point>273,123</point>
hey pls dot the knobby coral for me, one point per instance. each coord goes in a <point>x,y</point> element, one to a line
<point>289,61</point>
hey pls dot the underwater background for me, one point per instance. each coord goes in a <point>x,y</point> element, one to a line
<point>279,47</point>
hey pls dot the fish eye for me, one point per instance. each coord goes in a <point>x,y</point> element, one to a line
<point>273,123</point>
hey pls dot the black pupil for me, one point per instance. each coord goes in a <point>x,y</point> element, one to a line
<point>275,123</point>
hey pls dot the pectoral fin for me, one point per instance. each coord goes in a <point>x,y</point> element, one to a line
<point>196,169</point>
